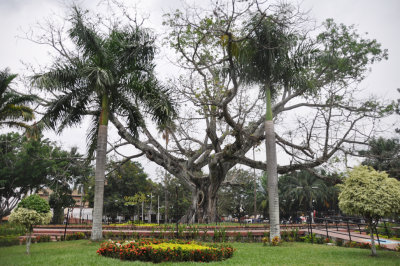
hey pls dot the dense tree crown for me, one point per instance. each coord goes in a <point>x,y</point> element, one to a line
<point>28,164</point>
<point>383,155</point>
<point>371,194</point>
<point>32,210</point>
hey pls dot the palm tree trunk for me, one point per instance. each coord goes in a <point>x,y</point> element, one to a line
<point>272,173</point>
<point>101,151</point>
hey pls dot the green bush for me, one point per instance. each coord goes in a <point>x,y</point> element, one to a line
<point>36,203</point>
<point>339,242</point>
<point>43,238</point>
<point>75,236</point>
<point>7,229</point>
<point>9,240</point>
<point>161,250</point>
<point>309,238</point>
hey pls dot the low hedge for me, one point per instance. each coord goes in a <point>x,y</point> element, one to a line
<point>165,250</point>
<point>9,240</point>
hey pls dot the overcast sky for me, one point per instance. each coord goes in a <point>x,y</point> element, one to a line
<point>380,19</point>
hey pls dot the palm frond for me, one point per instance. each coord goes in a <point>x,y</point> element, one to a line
<point>67,109</point>
<point>60,77</point>
<point>125,107</point>
<point>5,80</point>
<point>86,38</point>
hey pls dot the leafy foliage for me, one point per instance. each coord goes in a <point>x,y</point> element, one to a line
<point>28,217</point>
<point>369,193</point>
<point>14,109</point>
<point>36,203</point>
<point>383,155</point>
<point>28,164</point>
<point>124,180</point>
<point>109,73</point>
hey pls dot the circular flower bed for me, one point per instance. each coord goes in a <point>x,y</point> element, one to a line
<point>164,250</point>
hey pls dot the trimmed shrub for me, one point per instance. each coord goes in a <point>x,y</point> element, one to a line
<point>43,238</point>
<point>339,242</point>
<point>75,236</point>
<point>162,250</point>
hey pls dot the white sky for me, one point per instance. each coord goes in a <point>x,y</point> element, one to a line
<point>380,19</point>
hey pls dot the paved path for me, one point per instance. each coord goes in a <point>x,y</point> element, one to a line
<point>356,237</point>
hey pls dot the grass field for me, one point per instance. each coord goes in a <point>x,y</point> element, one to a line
<point>83,252</point>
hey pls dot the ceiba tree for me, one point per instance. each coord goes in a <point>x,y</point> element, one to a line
<point>313,103</point>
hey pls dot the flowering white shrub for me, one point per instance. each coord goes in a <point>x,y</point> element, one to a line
<point>28,217</point>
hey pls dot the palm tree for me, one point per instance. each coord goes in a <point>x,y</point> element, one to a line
<point>13,109</point>
<point>109,74</point>
<point>263,63</point>
<point>304,188</point>
<point>272,56</point>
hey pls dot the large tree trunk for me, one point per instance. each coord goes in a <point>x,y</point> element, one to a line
<point>204,203</point>
<point>101,158</point>
<point>272,173</point>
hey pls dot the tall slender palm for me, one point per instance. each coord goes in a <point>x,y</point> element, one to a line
<point>263,56</point>
<point>109,74</point>
<point>272,58</point>
<point>14,111</point>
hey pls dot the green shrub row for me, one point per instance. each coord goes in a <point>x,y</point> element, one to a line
<point>10,240</point>
<point>7,229</point>
<point>146,250</point>
<point>38,239</point>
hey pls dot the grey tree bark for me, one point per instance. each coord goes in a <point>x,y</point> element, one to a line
<point>371,230</point>
<point>97,233</point>
<point>272,175</point>
<point>28,241</point>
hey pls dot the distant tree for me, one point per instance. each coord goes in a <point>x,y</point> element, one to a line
<point>31,211</point>
<point>24,166</point>
<point>370,194</point>
<point>125,180</point>
<point>302,188</point>
<point>383,155</point>
<point>58,201</point>
<point>236,195</point>
<point>29,164</point>
<point>14,109</point>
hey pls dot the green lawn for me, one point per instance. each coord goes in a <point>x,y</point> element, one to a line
<point>83,252</point>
